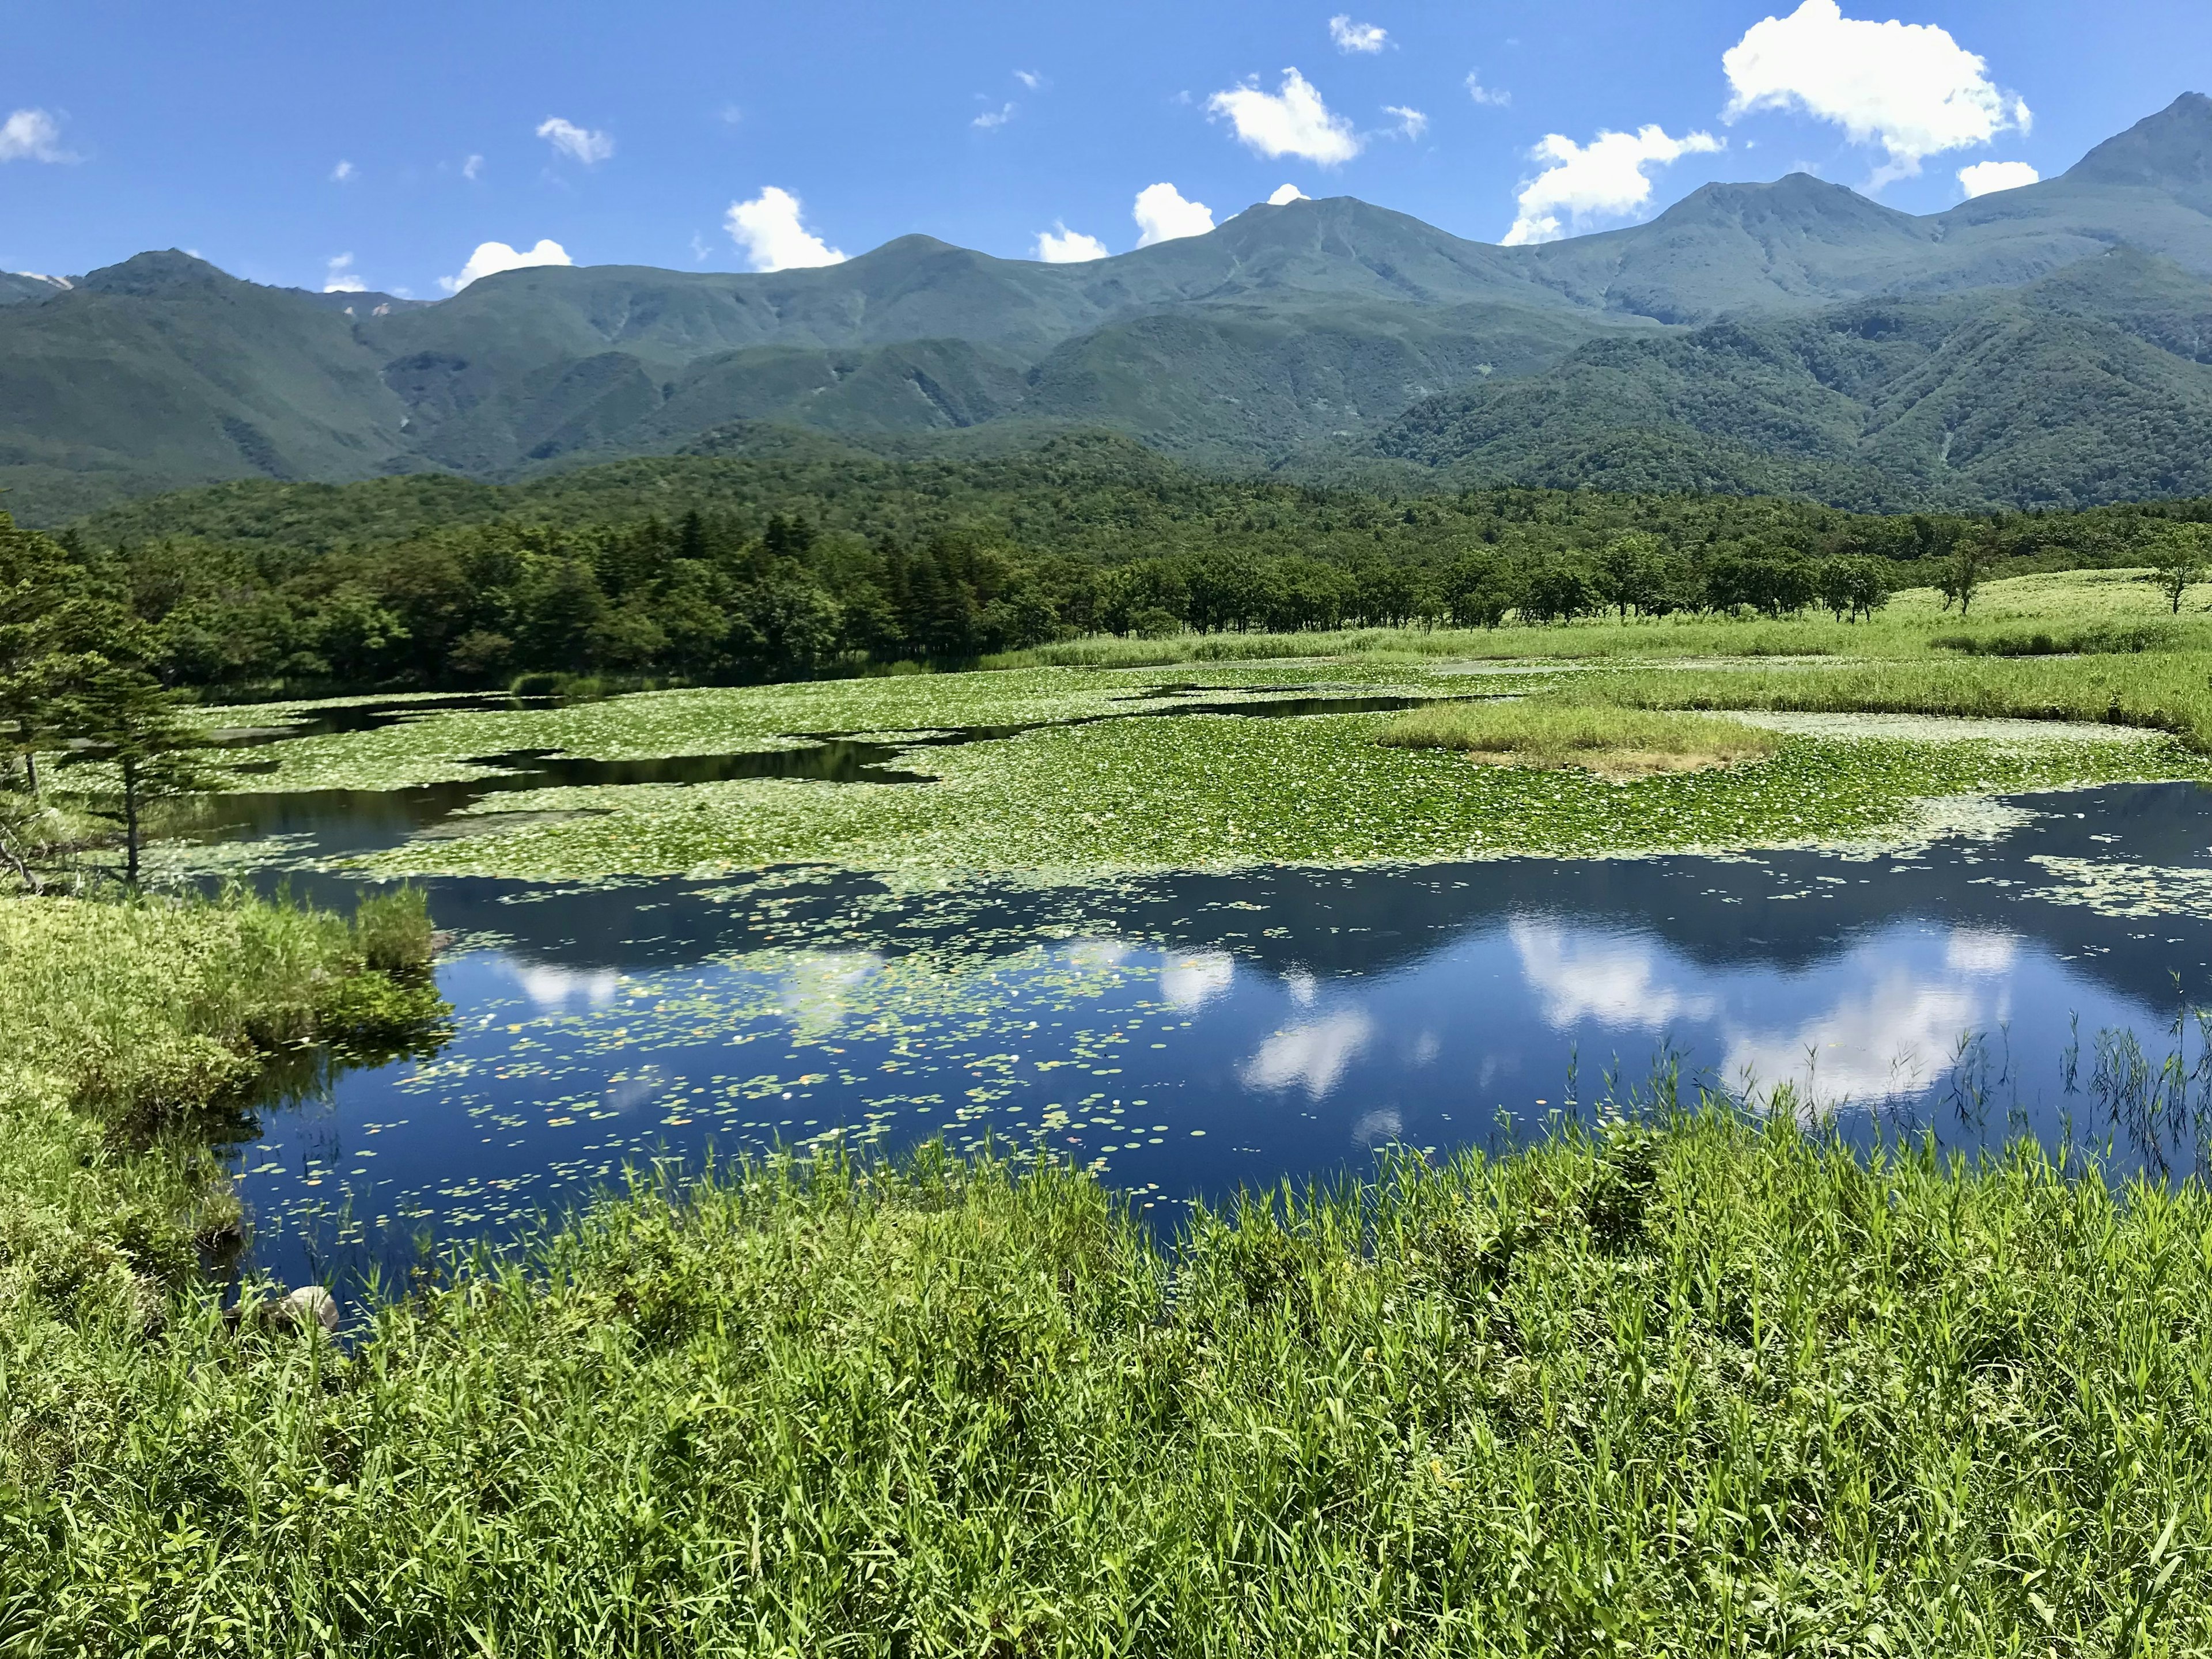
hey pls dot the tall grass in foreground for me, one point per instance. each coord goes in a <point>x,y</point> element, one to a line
<point>1710,1387</point>
<point>126,1023</point>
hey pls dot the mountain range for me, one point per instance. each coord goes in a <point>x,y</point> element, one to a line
<point>2050,344</point>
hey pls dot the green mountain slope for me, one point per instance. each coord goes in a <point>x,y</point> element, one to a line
<point>163,371</point>
<point>2068,392</point>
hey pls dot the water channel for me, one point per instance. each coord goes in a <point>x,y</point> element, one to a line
<point>1190,1034</point>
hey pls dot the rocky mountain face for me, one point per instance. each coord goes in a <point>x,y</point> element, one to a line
<point>2041,344</point>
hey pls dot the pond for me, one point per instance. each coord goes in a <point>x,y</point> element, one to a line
<point>1190,1034</point>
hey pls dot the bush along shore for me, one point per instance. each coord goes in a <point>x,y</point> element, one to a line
<point>1695,1382</point>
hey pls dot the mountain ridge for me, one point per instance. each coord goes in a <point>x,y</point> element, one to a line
<point>1292,336</point>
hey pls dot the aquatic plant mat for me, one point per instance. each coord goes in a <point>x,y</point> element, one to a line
<point>1708,1386</point>
<point>1072,772</point>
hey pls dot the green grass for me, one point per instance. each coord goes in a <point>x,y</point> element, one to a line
<point>130,1024</point>
<point>1611,741</point>
<point>1710,1388</point>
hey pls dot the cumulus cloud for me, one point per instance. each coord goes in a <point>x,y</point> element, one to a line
<point>578,143</point>
<point>1030,79</point>
<point>1603,179</point>
<point>1291,122</point>
<point>1061,247</point>
<point>556,986</point>
<point>1411,123</point>
<point>1983,177</point>
<point>990,119</point>
<point>342,172</point>
<point>340,278</point>
<point>1580,975</point>
<point>1287,193</point>
<point>1314,1054</point>
<point>31,134</point>
<point>1193,981</point>
<point>472,167</point>
<point>492,258</point>
<point>772,231</point>
<point>1909,88</point>
<point>1356,37</point>
<point>1487,96</point>
<point>1162,216</point>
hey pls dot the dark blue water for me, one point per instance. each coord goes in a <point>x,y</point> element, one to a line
<point>1187,1034</point>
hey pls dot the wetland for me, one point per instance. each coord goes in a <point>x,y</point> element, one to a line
<point>1004,1160</point>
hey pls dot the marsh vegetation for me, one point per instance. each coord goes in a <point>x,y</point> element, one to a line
<point>1699,1380</point>
<point>1606,739</point>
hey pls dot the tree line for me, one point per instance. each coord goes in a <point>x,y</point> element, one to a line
<point>707,598</point>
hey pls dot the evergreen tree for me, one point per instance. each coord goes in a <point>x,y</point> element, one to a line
<point>124,716</point>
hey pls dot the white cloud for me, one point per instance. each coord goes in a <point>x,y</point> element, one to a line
<point>1193,981</point>
<point>991,120</point>
<point>1909,88</point>
<point>1061,247</point>
<point>1356,37</point>
<point>1030,79</point>
<point>340,278</point>
<point>1603,179</point>
<point>1411,123</point>
<point>473,167</point>
<point>770,230</point>
<point>554,987</point>
<point>1291,122</point>
<point>31,134</point>
<point>492,258</point>
<point>1482,94</point>
<point>578,143</point>
<point>1287,193</point>
<point>1983,177</point>
<point>1315,1054</point>
<point>1886,1037</point>
<point>342,172</point>
<point>1617,981</point>
<point>1162,216</point>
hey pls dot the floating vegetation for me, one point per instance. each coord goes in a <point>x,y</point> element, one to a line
<point>2112,887</point>
<point>1945,728</point>
<point>1214,792</point>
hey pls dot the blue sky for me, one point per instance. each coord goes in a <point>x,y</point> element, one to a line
<point>277,139</point>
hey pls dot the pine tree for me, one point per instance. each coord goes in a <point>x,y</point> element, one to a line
<point>124,716</point>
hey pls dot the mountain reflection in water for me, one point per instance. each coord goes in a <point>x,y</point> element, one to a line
<point>1193,1033</point>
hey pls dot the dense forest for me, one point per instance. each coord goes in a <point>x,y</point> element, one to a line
<point>794,555</point>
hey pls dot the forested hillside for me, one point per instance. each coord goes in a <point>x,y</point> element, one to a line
<point>778,554</point>
<point>2093,385</point>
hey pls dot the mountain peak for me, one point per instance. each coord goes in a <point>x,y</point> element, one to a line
<point>152,274</point>
<point>1796,200</point>
<point>2170,150</point>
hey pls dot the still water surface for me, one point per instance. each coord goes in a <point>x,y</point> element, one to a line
<point>1190,1034</point>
